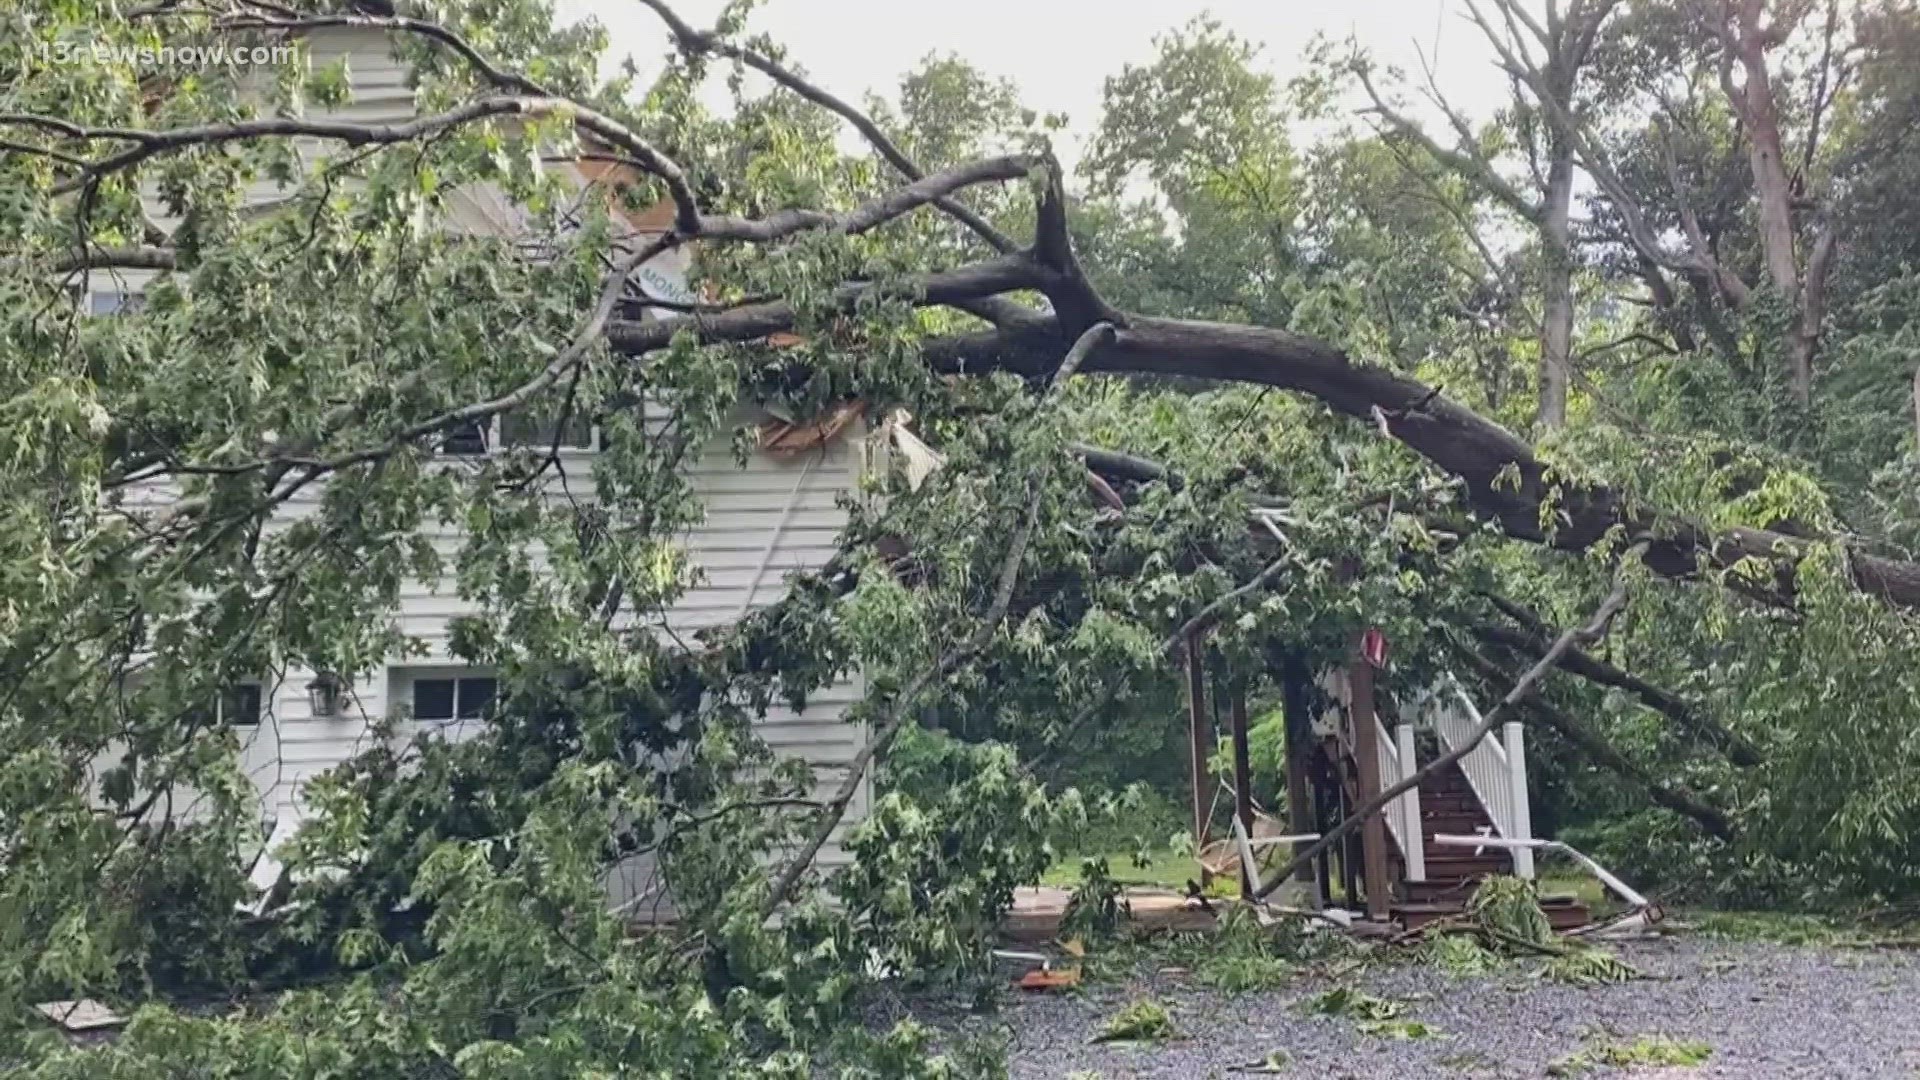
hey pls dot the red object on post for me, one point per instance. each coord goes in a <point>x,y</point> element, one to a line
<point>1373,647</point>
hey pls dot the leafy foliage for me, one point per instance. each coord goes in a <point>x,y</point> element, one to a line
<point>1145,1020</point>
<point>1508,910</point>
<point>1651,1050</point>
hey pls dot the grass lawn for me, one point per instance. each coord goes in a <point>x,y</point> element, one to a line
<point>1563,881</point>
<point>1163,869</point>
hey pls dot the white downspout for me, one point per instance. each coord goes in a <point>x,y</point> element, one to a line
<point>1522,812</point>
<point>1414,849</point>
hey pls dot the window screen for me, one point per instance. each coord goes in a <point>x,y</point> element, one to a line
<point>238,705</point>
<point>433,699</point>
<point>475,698</point>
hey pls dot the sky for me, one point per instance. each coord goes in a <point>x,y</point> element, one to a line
<point>1059,52</point>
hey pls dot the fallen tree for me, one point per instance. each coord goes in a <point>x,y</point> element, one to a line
<point>1508,483</point>
<point>247,381</point>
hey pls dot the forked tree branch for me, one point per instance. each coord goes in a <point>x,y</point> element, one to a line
<point>696,42</point>
<point>150,143</point>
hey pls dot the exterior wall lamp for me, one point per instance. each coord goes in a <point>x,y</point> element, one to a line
<point>326,694</point>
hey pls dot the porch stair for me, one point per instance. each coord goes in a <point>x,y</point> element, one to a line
<point>1448,805</point>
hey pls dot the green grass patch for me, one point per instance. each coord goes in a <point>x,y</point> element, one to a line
<point>1599,901</point>
<point>1163,869</point>
<point>1780,928</point>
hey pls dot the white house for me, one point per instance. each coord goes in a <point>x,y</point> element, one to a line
<point>778,514</point>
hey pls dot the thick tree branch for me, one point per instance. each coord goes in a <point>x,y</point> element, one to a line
<point>1699,726</point>
<point>142,257</point>
<point>1602,753</point>
<point>889,724</point>
<point>1504,479</point>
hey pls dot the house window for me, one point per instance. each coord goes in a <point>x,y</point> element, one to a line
<point>465,697</point>
<point>236,706</point>
<point>531,429</point>
<point>517,430</point>
<point>115,302</point>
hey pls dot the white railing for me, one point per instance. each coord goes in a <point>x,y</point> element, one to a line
<point>1497,773</point>
<point>1403,814</point>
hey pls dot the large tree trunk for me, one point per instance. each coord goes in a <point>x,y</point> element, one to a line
<point>1556,322</point>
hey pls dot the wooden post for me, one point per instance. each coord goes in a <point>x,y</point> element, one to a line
<point>1197,732</point>
<point>1366,751</point>
<point>1242,776</point>
<point>1301,815</point>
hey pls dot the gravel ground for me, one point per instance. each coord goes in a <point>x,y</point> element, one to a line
<point>1766,1010</point>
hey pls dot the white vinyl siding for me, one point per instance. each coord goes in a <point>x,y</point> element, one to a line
<point>764,521</point>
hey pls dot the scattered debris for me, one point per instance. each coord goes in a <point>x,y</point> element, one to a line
<point>1399,1029</point>
<point>1589,967</point>
<point>1239,973</point>
<point>1145,1020</point>
<point>1459,955</point>
<point>1049,979</point>
<point>85,1014</point>
<point>1346,1001</point>
<point>1649,1050</point>
<point>1041,974</point>
<point>1274,1062</point>
<point>1508,908</point>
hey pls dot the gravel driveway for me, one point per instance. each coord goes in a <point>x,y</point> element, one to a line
<point>1766,1011</point>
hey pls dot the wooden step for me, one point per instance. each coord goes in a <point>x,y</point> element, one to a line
<point>1431,891</point>
<point>1453,863</point>
<point>1563,913</point>
<point>1452,822</point>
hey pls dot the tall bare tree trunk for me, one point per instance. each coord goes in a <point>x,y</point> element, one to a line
<point>1746,43</point>
<point>1556,321</point>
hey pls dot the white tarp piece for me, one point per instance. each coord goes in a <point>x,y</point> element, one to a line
<point>85,1014</point>
<point>921,460</point>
